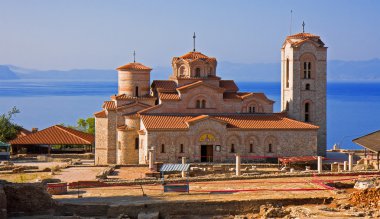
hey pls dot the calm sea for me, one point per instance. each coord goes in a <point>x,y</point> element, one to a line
<point>353,109</point>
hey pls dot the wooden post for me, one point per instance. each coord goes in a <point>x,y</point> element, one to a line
<point>183,162</point>
<point>238,172</point>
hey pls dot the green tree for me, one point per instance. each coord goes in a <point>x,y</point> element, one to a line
<point>8,129</point>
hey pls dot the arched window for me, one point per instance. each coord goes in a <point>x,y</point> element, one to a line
<point>203,105</point>
<point>270,148</point>
<point>136,91</point>
<point>307,70</point>
<point>307,87</point>
<point>287,73</point>
<point>136,143</point>
<point>251,148</point>
<point>181,148</point>
<point>198,104</point>
<point>232,148</point>
<point>251,109</point>
<point>162,148</point>
<point>197,72</point>
<point>307,112</point>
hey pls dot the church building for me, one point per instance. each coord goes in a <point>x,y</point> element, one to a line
<point>198,115</point>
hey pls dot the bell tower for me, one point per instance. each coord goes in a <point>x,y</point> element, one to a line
<point>303,82</point>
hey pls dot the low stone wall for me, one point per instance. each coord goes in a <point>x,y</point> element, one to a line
<point>27,198</point>
<point>182,208</point>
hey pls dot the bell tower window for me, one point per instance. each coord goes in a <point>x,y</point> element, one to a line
<point>197,72</point>
<point>307,112</point>
<point>307,87</point>
<point>287,73</point>
<point>198,104</point>
<point>307,70</point>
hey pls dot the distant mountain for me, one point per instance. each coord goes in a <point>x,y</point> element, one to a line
<point>337,71</point>
<point>342,71</point>
<point>7,74</point>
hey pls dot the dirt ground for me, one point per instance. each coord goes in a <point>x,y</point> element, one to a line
<point>300,187</point>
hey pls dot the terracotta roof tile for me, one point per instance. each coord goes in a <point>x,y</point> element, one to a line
<point>168,96</point>
<point>56,135</point>
<point>134,66</point>
<point>164,84</point>
<point>194,55</point>
<point>100,114</point>
<point>109,105</point>
<point>197,83</point>
<point>302,36</point>
<point>247,121</point>
<point>229,85</point>
<point>126,97</point>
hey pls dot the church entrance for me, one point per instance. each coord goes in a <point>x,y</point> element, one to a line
<point>207,153</point>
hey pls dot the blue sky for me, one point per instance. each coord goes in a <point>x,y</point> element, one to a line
<point>46,34</point>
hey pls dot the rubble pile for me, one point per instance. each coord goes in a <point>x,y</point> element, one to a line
<point>270,211</point>
<point>366,198</point>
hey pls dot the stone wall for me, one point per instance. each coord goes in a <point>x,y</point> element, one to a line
<point>284,142</point>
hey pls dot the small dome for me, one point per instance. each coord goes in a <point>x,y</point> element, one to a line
<point>134,66</point>
<point>302,36</point>
<point>194,55</point>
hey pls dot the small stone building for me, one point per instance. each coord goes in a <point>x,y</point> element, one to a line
<point>198,115</point>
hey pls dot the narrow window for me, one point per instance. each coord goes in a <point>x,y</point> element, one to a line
<point>307,116</point>
<point>181,148</point>
<point>251,148</point>
<point>270,150</point>
<point>304,70</point>
<point>203,104</point>
<point>307,87</point>
<point>136,143</point>
<point>162,148</point>
<point>232,148</point>
<point>287,73</point>
<point>136,91</point>
<point>252,109</point>
<point>198,105</point>
<point>309,70</point>
<point>197,72</point>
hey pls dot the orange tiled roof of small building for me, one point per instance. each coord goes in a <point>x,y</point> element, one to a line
<point>241,121</point>
<point>229,85</point>
<point>56,135</point>
<point>302,36</point>
<point>109,105</point>
<point>164,84</point>
<point>134,66</point>
<point>169,96</point>
<point>100,114</point>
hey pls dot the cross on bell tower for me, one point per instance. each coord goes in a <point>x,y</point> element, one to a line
<point>303,27</point>
<point>134,56</point>
<point>194,42</point>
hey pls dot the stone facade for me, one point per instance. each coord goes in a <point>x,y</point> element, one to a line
<point>196,114</point>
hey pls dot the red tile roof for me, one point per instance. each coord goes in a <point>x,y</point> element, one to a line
<point>164,84</point>
<point>168,96</point>
<point>100,114</point>
<point>109,105</point>
<point>241,121</point>
<point>243,95</point>
<point>56,135</point>
<point>198,83</point>
<point>134,66</point>
<point>302,36</point>
<point>229,85</point>
<point>194,55</point>
<point>126,97</point>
